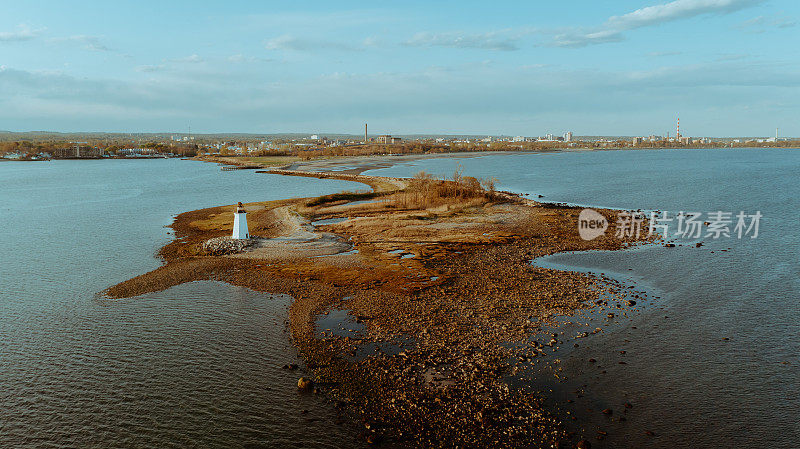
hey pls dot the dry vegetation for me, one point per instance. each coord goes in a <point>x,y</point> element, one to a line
<point>341,196</point>
<point>425,191</point>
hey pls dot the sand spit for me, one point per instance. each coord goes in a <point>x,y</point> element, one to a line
<point>341,164</point>
<point>440,332</point>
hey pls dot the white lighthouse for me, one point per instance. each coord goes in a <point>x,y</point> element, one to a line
<point>240,223</point>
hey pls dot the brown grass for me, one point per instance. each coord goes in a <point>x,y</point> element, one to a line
<point>341,196</point>
<point>425,191</point>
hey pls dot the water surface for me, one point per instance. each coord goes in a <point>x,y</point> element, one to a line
<point>687,384</point>
<point>198,365</point>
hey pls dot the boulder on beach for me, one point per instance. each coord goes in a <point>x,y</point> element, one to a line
<point>219,246</point>
<point>304,383</point>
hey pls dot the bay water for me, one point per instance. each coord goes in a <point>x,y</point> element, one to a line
<point>715,360</point>
<point>712,362</point>
<point>197,365</point>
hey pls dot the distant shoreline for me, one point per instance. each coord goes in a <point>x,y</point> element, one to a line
<point>387,160</point>
<point>86,158</point>
<point>247,160</point>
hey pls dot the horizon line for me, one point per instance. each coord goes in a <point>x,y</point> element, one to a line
<point>323,134</point>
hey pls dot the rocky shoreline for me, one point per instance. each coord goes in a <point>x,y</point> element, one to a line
<point>220,246</point>
<point>420,331</point>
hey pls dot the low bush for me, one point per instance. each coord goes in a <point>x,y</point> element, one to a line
<point>425,191</point>
<point>341,196</point>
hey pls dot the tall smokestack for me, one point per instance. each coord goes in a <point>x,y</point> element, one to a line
<point>678,135</point>
<point>365,133</point>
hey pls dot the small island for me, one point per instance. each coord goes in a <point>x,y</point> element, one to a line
<point>413,301</point>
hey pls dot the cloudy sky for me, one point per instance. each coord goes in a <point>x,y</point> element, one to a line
<point>622,67</point>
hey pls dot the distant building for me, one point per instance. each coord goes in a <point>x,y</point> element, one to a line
<point>78,152</point>
<point>685,140</point>
<point>387,139</point>
<point>638,141</point>
<point>134,151</point>
<point>568,136</point>
<point>518,139</point>
<point>314,137</point>
<point>550,138</point>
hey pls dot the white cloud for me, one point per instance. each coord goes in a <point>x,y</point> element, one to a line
<point>23,33</point>
<point>762,24</point>
<point>582,39</point>
<point>484,41</point>
<point>92,43</point>
<point>733,57</point>
<point>612,29</point>
<point>430,100</point>
<point>150,68</point>
<point>191,59</point>
<point>535,66</point>
<point>169,64</point>
<point>678,9</point>
<point>661,54</point>
<point>241,59</point>
<point>371,41</point>
<point>293,43</point>
<point>315,19</point>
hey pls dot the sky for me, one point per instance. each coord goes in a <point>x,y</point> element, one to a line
<point>622,67</point>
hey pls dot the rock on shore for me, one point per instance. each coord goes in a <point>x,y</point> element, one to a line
<point>220,246</point>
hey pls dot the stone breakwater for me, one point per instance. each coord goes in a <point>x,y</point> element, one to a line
<point>219,246</point>
<point>443,304</point>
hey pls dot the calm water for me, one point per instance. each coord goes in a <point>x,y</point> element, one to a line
<point>686,384</point>
<point>198,365</point>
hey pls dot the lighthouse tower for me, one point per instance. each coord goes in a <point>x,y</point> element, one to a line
<point>240,223</point>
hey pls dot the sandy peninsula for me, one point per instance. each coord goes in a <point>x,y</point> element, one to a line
<point>415,301</point>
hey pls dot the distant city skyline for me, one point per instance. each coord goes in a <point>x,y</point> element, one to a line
<point>728,68</point>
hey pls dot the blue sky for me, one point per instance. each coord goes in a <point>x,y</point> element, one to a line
<point>726,67</point>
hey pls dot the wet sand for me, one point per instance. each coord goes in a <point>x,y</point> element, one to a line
<point>444,299</point>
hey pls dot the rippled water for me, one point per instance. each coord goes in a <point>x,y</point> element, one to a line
<point>198,365</point>
<point>687,385</point>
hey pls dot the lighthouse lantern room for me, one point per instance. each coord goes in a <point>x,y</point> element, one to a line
<point>240,223</point>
